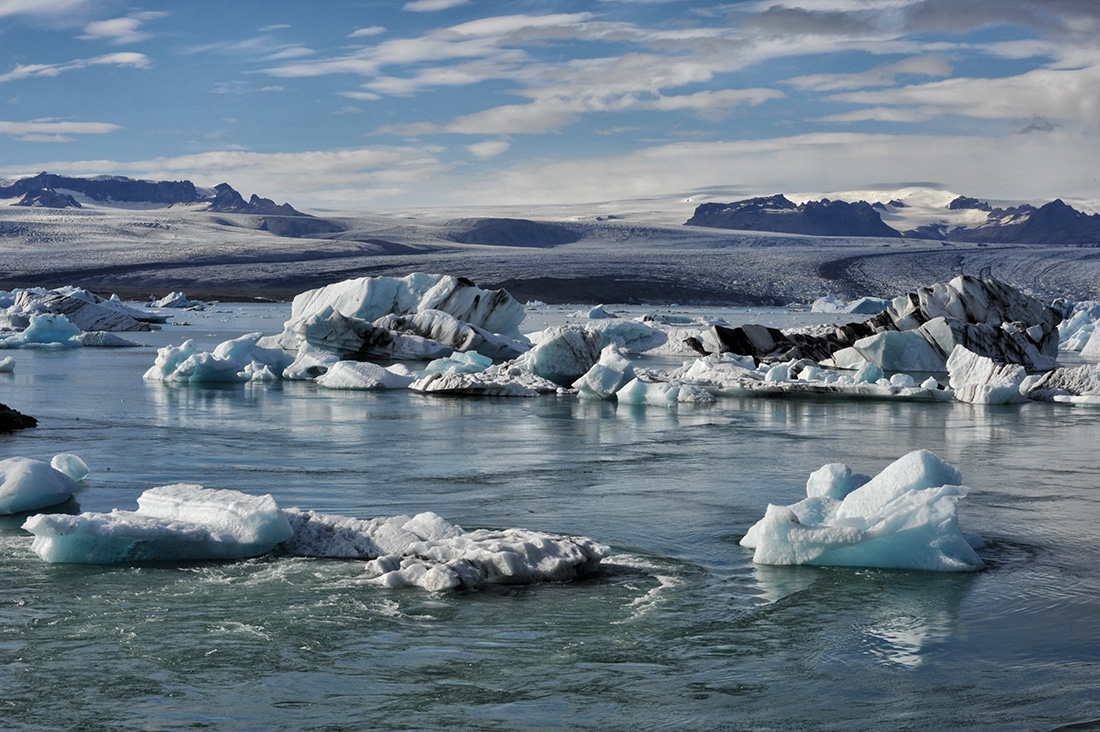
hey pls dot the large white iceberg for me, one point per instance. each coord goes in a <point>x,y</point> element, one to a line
<point>173,523</point>
<point>31,485</point>
<point>84,309</point>
<point>190,523</point>
<point>385,317</point>
<point>903,518</point>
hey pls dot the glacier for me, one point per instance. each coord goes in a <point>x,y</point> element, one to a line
<point>905,517</point>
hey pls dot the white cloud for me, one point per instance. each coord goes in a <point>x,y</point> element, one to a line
<point>48,130</point>
<point>120,30</point>
<point>341,177</point>
<point>40,7</point>
<point>133,60</point>
<point>884,75</point>
<point>883,114</point>
<point>431,6</point>
<point>488,149</point>
<point>373,30</point>
<point>1072,95</point>
<point>1058,163</point>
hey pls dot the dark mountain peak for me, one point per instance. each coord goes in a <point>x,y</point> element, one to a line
<point>780,215</point>
<point>964,202</point>
<point>48,198</point>
<point>106,190</point>
<point>227,200</point>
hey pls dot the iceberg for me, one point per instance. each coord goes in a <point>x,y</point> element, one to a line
<point>363,375</point>
<point>903,518</point>
<point>980,380</point>
<point>185,523</point>
<point>428,552</point>
<point>862,306</point>
<point>727,375</point>
<point>1077,385</point>
<point>84,309</point>
<point>562,354</point>
<point>31,485</point>
<point>420,316</point>
<point>44,330</point>
<point>239,359</point>
<point>986,316</point>
<point>606,376</point>
<point>503,380</point>
<point>658,393</point>
<point>173,523</point>
<point>176,300</point>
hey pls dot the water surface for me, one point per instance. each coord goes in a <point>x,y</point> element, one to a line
<point>679,630</point>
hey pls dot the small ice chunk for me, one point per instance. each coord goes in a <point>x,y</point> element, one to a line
<point>362,375</point>
<point>70,465</point>
<point>7,365</point>
<point>835,480</point>
<point>606,376</point>
<point>29,485</point>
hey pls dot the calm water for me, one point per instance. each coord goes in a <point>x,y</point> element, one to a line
<point>679,630</point>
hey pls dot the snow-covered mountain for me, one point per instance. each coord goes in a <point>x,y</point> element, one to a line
<point>47,190</point>
<point>912,213</point>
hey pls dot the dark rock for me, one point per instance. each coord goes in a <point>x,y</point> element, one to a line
<point>780,215</point>
<point>963,202</point>
<point>11,420</point>
<point>108,188</point>
<point>48,198</point>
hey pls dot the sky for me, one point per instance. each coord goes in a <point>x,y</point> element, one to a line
<point>362,104</point>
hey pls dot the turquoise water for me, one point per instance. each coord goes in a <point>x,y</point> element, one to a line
<point>679,630</point>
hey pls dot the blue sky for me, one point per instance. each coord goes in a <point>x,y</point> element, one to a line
<point>341,103</point>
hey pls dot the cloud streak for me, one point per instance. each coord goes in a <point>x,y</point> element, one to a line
<point>47,130</point>
<point>28,71</point>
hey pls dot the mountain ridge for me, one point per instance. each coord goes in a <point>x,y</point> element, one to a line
<point>1053,223</point>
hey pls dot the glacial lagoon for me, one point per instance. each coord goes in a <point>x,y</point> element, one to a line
<point>677,630</point>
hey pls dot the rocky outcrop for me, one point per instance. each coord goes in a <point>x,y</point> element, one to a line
<point>108,189</point>
<point>11,420</point>
<point>1053,224</point>
<point>48,198</point>
<point>780,215</point>
<point>227,200</point>
<point>53,191</point>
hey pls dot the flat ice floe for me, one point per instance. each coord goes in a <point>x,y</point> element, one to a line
<point>903,518</point>
<point>183,522</point>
